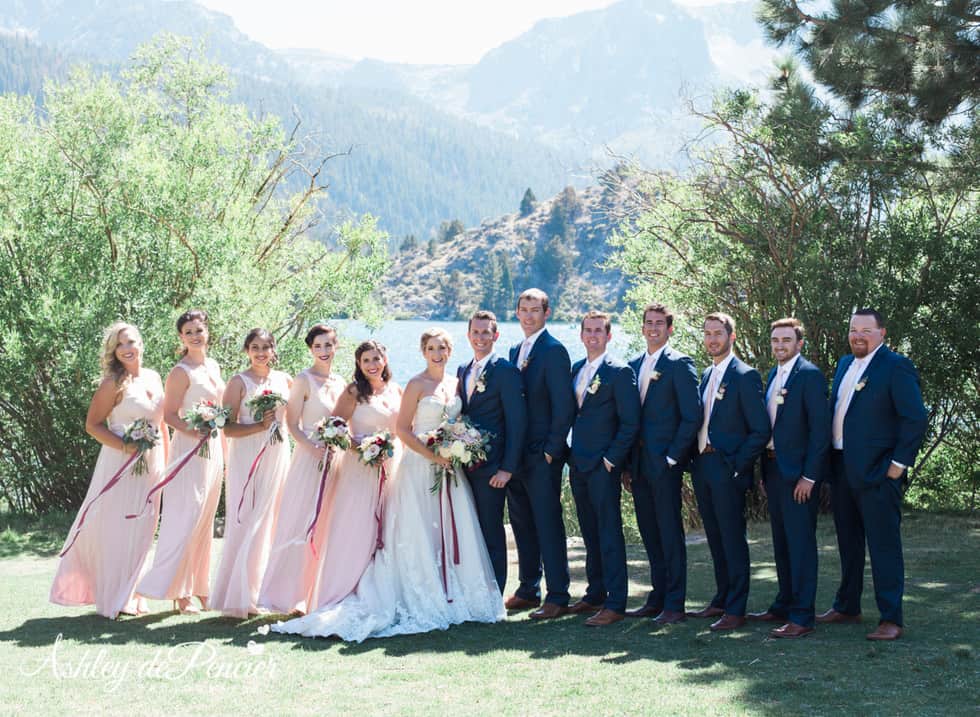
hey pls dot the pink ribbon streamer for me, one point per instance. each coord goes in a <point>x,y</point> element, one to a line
<point>379,513</point>
<point>251,472</point>
<point>327,459</point>
<point>442,532</point>
<point>170,476</point>
<point>105,489</point>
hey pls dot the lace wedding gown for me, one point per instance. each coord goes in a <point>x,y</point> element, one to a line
<point>401,591</point>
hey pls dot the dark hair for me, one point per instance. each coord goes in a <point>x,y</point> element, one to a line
<point>261,335</point>
<point>317,330</point>
<point>483,314</point>
<point>534,295</point>
<point>659,309</point>
<point>789,322</point>
<point>188,316</point>
<point>879,319</point>
<point>363,386</point>
<point>727,321</point>
<point>593,314</point>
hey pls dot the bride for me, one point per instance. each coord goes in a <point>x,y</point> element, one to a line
<point>412,585</point>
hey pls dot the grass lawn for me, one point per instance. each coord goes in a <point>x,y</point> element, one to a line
<point>134,666</point>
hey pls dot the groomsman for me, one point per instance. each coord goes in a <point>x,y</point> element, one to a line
<point>606,423</point>
<point>879,422</point>
<point>669,420</point>
<point>534,492</point>
<point>493,400</point>
<point>796,398</point>
<point>734,431</point>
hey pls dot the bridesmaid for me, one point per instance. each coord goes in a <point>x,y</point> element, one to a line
<point>370,404</point>
<point>292,565</point>
<point>257,468</point>
<point>109,552</point>
<point>182,562</point>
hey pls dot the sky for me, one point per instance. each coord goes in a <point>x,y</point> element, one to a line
<point>412,31</point>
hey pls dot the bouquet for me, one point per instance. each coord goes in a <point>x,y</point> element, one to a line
<point>376,448</point>
<point>267,400</point>
<point>206,415</point>
<point>461,442</point>
<point>332,432</point>
<point>144,435</point>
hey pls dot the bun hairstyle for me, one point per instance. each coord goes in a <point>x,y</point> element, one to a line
<point>188,316</point>
<point>317,330</point>
<point>435,333</point>
<point>259,334</point>
<point>361,382</point>
<point>111,366</point>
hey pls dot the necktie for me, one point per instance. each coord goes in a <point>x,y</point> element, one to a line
<point>644,377</point>
<point>471,379</point>
<point>844,394</point>
<point>522,355</point>
<point>709,400</point>
<point>772,404</point>
<point>582,384</point>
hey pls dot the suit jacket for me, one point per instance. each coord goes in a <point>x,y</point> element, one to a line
<point>671,411</point>
<point>550,398</point>
<point>499,409</point>
<point>885,421</point>
<point>801,431</point>
<point>739,424</point>
<point>609,418</point>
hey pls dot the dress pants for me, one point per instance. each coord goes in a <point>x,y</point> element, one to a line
<point>657,500</point>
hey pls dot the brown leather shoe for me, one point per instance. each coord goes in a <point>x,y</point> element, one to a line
<point>727,622</point>
<point>604,617</point>
<point>707,612</point>
<point>548,611</point>
<point>519,603</point>
<point>790,630</point>
<point>645,611</point>
<point>886,631</point>
<point>582,606</point>
<point>832,617</point>
<point>763,617</point>
<point>669,617</point>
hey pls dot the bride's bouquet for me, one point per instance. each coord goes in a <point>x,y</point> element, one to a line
<point>461,442</point>
<point>376,448</point>
<point>267,400</point>
<point>207,415</point>
<point>333,433</point>
<point>144,435</point>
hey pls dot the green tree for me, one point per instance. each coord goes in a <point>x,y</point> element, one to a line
<point>409,244</point>
<point>528,202</point>
<point>138,198</point>
<point>448,230</point>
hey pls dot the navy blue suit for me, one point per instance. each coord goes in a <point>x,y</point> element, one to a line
<point>669,421</point>
<point>605,427</point>
<point>801,439</point>
<point>534,492</point>
<point>738,430</point>
<point>886,420</point>
<point>497,407</point>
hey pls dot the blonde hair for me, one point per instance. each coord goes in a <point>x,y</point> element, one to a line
<point>111,366</point>
<point>435,333</point>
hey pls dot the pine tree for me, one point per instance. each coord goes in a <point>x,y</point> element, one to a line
<point>528,202</point>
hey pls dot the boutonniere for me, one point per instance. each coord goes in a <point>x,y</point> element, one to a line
<point>655,375</point>
<point>781,396</point>
<point>720,393</point>
<point>861,384</point>
<point>524,363</point>
<point>481,383</point>
<point>594,386</point>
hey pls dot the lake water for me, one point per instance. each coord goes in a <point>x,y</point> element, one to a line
<point>405,358</point>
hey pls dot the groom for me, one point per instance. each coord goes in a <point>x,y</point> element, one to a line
<point>493,400</point>
<point>534,493</point>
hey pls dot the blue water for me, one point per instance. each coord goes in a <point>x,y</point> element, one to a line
<point>405,357</point>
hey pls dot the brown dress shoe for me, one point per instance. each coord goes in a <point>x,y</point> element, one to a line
<point>548,611</point>
<point>727,622</point>
<point>669,617</point>
<point>645,611</point>
<point>832,617</point>
<point>763,617</point>
<point>604,617</point>
<point>707,612</point>
<point>886,631</point>
<point>582,606</point>
<point>519,603</point>
<point>790,630</point>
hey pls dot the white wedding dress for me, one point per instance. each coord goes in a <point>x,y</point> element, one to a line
<point>401,592</point>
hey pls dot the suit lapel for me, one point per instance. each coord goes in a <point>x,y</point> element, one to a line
<point>868,370</point>
<point>845,364</point>
<point>484,378</point>
<point>789,380</point>
<point>726,379</point>
<point>461,373</point>
<point>601,373</point>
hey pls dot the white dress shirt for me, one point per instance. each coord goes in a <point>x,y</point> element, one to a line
<point>708,397</point>
<point>846,392</point>
<point>476,370</point>
<point>778,382</point>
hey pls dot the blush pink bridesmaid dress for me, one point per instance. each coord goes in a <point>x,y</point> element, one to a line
<point>251,506</point>
<point>110,553</point>
<point>292,568</point>
<point>182,559</point>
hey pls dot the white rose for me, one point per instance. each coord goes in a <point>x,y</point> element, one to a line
<point>458,449</point>
<point>467,458</point>
<point>219,421</point>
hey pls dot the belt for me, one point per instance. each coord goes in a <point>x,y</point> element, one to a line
<point>771,454</point>
<point>708,449</point>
